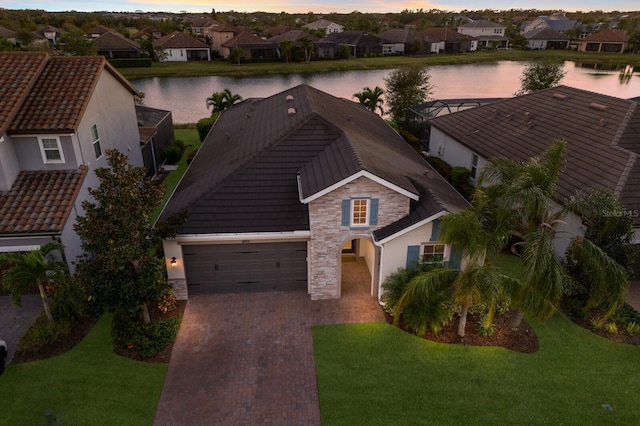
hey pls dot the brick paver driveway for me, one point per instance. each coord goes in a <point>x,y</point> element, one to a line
<point>245,359</point>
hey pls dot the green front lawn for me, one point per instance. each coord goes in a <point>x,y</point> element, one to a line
<point>376,374</point>
<point>89,385</point>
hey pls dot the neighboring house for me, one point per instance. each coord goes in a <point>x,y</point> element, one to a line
<point>146,32</point>
<point>253,47</point>
<point>179,47</point>
<point>359,43</point>
<point>282,186</point>
<point>97,31</point>
<point>156,134</point>
<point>489,34</point>
<point>8,34</point>
<point>556,22</point>
<point>200,26</point>
<point>275,31</point>
<point>609,41</point>
<point>603,135</point>
<point>447,40</point>
<point>401,42</point>
<point>221,34</point>
<point>50,33</point>
<point>326,25</point>
<point>293,35</point>
<point>546,39</point>
<point>57,118</point>
<point>113,45</point>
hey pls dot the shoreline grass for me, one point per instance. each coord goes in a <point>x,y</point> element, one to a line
<point>224,68</point>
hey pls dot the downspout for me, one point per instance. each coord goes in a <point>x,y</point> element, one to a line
<point>375,243</point>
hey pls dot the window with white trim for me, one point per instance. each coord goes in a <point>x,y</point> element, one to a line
<point>51,150</point>
<point>360,212</point>
<point>474,165</point>
<point>432,253</point>
<point>96,141</point>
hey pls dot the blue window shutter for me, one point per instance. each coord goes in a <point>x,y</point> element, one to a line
<point>455,258</point>
<point>434,229</point>
<point>413,256</point>
<point>373,214</point>
<point>346,212</point>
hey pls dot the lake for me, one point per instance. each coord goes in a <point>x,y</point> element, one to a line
<point>186,97</point>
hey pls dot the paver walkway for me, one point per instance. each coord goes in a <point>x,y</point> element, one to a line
<point>14,322</point>
<point>247,359</point>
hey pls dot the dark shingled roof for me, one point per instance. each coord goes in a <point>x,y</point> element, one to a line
<point>545,34</point>
<point>39,202</point>
<point>113,41</point>
<point>245,176</point>
<point>603,135</point>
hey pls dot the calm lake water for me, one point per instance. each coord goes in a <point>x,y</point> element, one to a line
<point>186,97</point>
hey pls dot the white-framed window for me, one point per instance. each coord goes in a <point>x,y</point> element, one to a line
<point>474,166</point>
<point>433,253</point>
<point>95,138</point>
<point>51,150</point>
<point>360,212</point>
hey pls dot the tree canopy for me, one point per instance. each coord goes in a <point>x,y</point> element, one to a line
<point>407,87</point>
<point>540,75</point>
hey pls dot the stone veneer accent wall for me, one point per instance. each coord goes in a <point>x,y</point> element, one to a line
<point>328,235</point>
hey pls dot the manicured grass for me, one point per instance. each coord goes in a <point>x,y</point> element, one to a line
<point>192,141</point>
<point>219,67</point>
<point>376,374</point>
<point>88,385</point>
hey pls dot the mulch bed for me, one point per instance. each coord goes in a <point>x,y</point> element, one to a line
<point>523,340</point>
<point>83,326</point>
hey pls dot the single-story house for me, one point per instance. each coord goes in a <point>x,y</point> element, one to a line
<point>294,35</point>
<point>602,132</point>
<point>608,40</point>
<point>112,45</point>
<point>546,38</point>
<point>360,43</point>
<point>283,185</point>
<point>448,40</point>
<point>179,47</point>
<point>253,47</point>
<point>146,32</point>
<point>398,41</point>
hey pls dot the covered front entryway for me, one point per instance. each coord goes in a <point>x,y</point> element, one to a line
<point>246,267</point>
<point>357,267</point>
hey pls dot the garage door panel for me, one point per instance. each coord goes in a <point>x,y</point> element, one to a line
<point>246,267</point>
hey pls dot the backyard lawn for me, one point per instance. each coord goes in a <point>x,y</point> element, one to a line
<point>89,385</point>
<point>376,374</point>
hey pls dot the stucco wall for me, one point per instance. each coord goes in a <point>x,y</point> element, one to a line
<point>8,163</point>
<point>452,151</point>
<point>328,235</point>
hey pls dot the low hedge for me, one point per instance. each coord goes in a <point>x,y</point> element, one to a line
<point>131,62</point>
<point>146,340</point>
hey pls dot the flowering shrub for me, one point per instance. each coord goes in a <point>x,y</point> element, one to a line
<point>146,340</point>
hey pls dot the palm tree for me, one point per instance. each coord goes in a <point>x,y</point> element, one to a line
<point>223,100</point>
<point>530,190</point>
<point>307,47</point>
<point>236,55</point>
<point>286,48</point>
<point>33,268</point>
<point>371,98</point>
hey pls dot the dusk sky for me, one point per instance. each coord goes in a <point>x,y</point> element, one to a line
<point>317,6</point>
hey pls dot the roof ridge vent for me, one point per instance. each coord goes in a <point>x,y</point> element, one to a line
<point>527,114</point>
<point>291,111</point>
<point>289,98</point>
<point>559,96</point>
<point>598,106</point>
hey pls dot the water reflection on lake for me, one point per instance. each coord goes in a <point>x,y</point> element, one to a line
<point>186,97</point>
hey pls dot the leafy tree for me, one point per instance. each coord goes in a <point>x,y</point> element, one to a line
<point>5,45</point>
<point>540,75</point>
<point>634,42</point>
<point>119,271</point>
<point>75,43</point>
<point>33,268</point>
<point>220,101</point>
<point>25,37</point>
<point>286,48</point>
<point>529,189</point>
<point>406,87</point>
<point>417,46</point>
<point>371,98</point>
<point>236,55</point>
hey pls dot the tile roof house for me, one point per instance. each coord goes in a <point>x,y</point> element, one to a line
<point>253,47</point>
<point>448,40</point>
<point>326,25</point>
<point>556,22</point>
<point>602,132</point>
<point>179,47</point>
<point>546,38</point>
<point>57,117</point>
<point>608,40</point>
<point>154,32</point>
<point>401,41</point>
<point>360,43</point>
<point>112,45</point>
<point>8,34</point>
<point>489,34</point>
<point>282,185</point>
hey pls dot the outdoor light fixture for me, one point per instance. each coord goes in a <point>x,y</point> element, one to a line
<point>173,260</point>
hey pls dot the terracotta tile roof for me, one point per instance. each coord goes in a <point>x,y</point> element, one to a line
<point>608,36</point>
<point>178,40</point>
<point>113,41</point>
<point>40,201</point>
<point>18,73</point>
<point>57,94</point>
<point>98,30</point>
<point>246,38</point>
<point>146,30</point>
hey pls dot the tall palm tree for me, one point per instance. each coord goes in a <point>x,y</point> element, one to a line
<point>371,98</point>
<point>307,47</point>
<point>286,49</point>
<point>530,190</point>
<point>33,268</point>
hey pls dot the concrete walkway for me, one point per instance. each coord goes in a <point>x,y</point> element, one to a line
<point>14,322</point>
<point>247,359</point>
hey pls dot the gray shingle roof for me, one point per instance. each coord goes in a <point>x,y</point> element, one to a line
<point>245,176</point>
<point>603,135</point>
